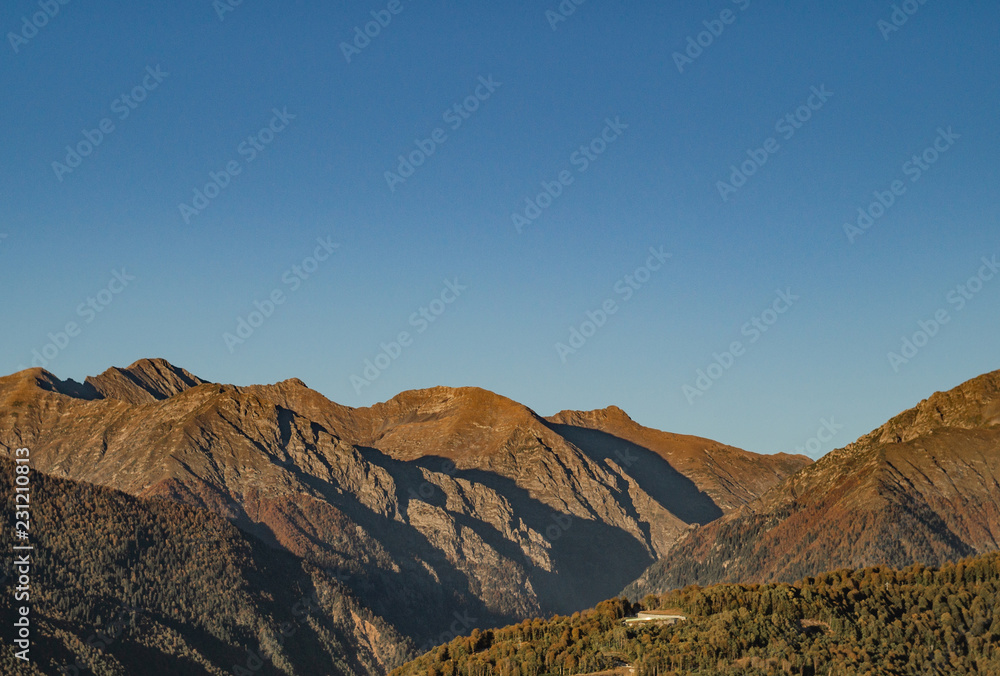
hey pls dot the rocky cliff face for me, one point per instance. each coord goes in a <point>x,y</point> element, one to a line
<point>144,382</point>
<point>725,477</point>
<point>440,507</point>
<point>924,487</point>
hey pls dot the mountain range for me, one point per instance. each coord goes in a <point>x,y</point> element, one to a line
<point>445,510</point>
<point>438,510</point>
<point>922,488</point>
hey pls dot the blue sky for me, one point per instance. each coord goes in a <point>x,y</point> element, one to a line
<point>555,88</point>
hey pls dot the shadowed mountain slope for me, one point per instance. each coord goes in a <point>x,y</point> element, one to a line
<point>125,585</point>
<point>436,502</point>
<point>922,488</point>
<point>725,477</point>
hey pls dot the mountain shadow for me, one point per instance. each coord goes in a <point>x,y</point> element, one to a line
<point>650,471</point>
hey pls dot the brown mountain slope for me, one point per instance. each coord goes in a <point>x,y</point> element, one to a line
<point>922,488</point>
<point>124,585</point>
<point>436,502</point>
<point>143,382</point>
<point>729,476</point>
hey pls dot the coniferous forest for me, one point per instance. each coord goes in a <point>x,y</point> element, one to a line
<point>125,585</point>
<point>873,622</point>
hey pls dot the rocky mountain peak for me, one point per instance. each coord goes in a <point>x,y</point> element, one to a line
<point>454,422</point>
<point>924,487</point>
<point>602,417</point>
<point>292,383</point>
<point>143,382</point>
<point>973,404</point>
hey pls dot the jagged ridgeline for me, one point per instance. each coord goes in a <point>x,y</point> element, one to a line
<point>439,510</point>
<point>922,488</point>
<point>874,621</point>
<point>124,585</point>
<point>444,510</point>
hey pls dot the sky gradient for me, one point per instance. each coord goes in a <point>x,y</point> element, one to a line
<point>593,110</point>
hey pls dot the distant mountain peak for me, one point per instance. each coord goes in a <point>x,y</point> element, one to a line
<point>457,421</point>
<point>608,414</point>
<point>36,376</point>
<point>924,487</point>
<point>143,382</point>
<point>292,382</point>
<point>39,379</point>
<point>459,401</point>
<point>615,411</point>
<point>973,404</point>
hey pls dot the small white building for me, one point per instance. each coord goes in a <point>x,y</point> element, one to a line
<point>658,616</point>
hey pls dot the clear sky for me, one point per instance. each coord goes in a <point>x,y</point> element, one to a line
<point>114,114</point>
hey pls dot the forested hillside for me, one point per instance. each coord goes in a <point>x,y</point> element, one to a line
<point>121,585</point>
<point>874,622</point>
